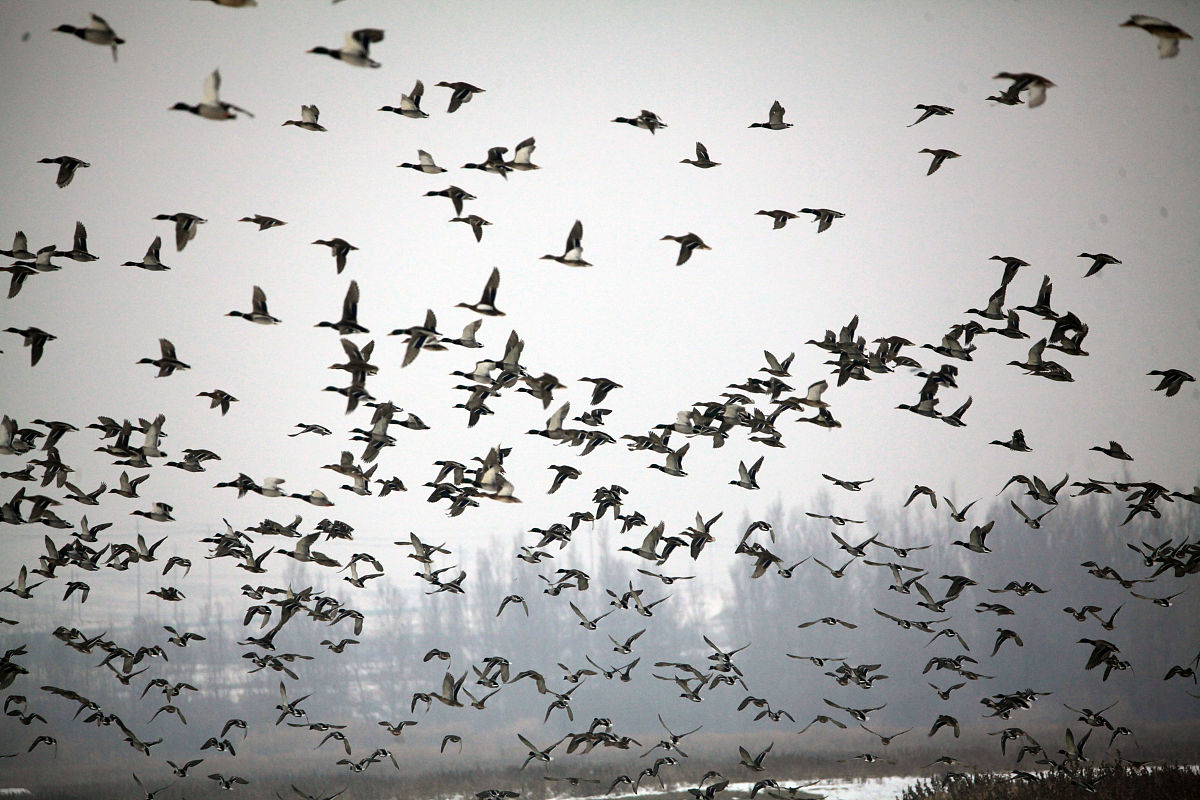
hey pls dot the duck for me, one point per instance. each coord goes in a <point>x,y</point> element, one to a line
<point>151,261</point>
<point>308,119</point>
<point>1099,262</point>
<point>674,465</point>
<point>341,249</point>
<point>928,111</point>
<point>823,216</point>
<point>778,215</point>
<point>939,157</point>
<point>476,222</point>
<point>35,340</point>
<point>66,168</point>
<point>748,476</point>
<point>356,49</point>
<point>185,227</point>
<point>78,251</point>
<point>495,163</point>
<point>687,243</point>
<point>20,248</point>
<point>410,104</point>
<point>1114,450</point>
<point>521,155</point>
<point>348,324</point>
<point>168,363</point>
<point>233,4</point>
<point>573,253</point>
<point>159,512</point>
<point>460,92</point>
<point>647,120</point>
<point>258,313</point>
<point>701,160</point>
<point>263,222</point>
<point>211,105</point>
<point>1168,35</point>
<point>425,164</point>
<point>487,301</point>
<point>774,119</point>
<point>456,195</point>
<point>1042,306</point>
<point>97,32</point>
<point>1172,380</point>
<point>1035,84</point>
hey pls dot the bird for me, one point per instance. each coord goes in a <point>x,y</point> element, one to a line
<point>211,106</point>
<point>410,104</point>
<point>1113,450</point>
<point>494,163</point>
<point>748,476</point>
<point>774,119</point>
<point>66,168</point>
<point>97,32</point>
<point>778,216</point>
<point>573,253</point>
<point>1168,35</point>
<point>1035,84</point>
<point>928,111</point>
<point>1172,380</point>
<point>522,154</point>
<point>1016,442</point>
<point>258,313</point>
<point>487,300</point>
<point>701,160</point>
<point>476,222</point>
<point>939,157</point>
<point>219,398</point>
<point>168,363</point>
<point>460,92</point>
<point>263,222</point>
<point>851,486</point>
<point>646,120</point>
<point>1099,262</point>
<point>185,227</point>
<point>425,164</point>
<point>823,216</point>
<point>348,324</point>
<point>152,260</point>
<point>687,243</point>
<point>456,195</point>
<point>308,119</point>
<point>975,540</point>
<point>35,340</point>
<point>356,49</point>
<point>340,249</point>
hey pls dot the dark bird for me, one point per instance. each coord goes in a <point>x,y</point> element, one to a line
<point>939,157</point>
<point>460,93</point>
<point>1099,262</point>
<point>928,111</point>
<point>701,160</point>
<point>1172,380</point>
<point>66,168</point>
<point>774,119</point>
<point>687,243</point>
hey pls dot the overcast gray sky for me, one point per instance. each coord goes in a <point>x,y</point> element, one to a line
<point>1110,163</point>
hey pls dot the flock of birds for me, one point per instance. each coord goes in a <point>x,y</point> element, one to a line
<point>753,408</point>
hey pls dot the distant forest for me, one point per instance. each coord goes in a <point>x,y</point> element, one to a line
<point>722,652</point>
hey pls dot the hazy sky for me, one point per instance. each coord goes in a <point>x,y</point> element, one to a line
<point>1110,163</point>
<point>1107,164</point>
